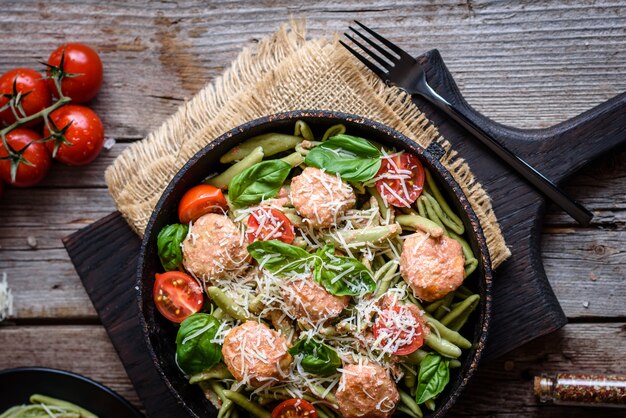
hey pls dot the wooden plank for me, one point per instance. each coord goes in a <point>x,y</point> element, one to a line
<point>83,349</point>
<point>525,65</point>
<point>500,389</point>
<point>503,388</point>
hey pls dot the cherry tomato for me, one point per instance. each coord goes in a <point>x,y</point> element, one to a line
<point>401,179</point>
<point>36,154</point>
<point>35,93</point>
<point>177,295</point>
<point>269,223</point>
<point>83,61</point>
<point>294,408</point>
<point>86,134</point>
<point>388,325</point>
<point>200,200</point>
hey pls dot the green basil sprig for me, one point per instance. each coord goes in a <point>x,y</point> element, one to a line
<point>353,158</point>
<point>318,358</point>
<point>168,245</point>
<point>278,257</point>
<point>261,181</point>
<point>355,278</point>
<point>194,350</point>
<point>433,377</point>
<point>281,258</point>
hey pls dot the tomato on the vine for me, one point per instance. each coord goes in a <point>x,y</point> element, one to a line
<point>35,95</point>
<point>294,408</point>
<point>400,179</point>
<point>269,223</point>
<point>177,295</point>
<point>83,138</point>
<point>36,160</point>
<point>399,327</point>
<point>200,200</point>
<point>83,68</point>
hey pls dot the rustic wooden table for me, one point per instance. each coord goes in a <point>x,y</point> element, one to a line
<point>521,62</point>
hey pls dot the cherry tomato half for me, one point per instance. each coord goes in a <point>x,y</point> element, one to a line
<point>177,295</point>
<point>268,223</point>
<point>86,134</point>
<point>34,89</point>
<point>82,61</point>
<point>294,408</point>
<point>200,200</point>
<point>388,325</point>
<point>401,179</point>
<point>36,154</point>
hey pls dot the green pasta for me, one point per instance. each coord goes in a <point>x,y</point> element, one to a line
<point>272,143</point>
<point>334,130</point>
<point>248,161</point>
<point>302,129</point>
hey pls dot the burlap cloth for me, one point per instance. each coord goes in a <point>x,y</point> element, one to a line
<point>282,72</point>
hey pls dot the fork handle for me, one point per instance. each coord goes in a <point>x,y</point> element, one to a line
<point>534,177</point>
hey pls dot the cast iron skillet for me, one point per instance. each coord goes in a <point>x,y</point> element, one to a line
<point>160,334</point>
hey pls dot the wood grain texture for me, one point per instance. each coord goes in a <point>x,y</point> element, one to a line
<point>83,349</point>
<point>527,64</point>
<point>500,389</point>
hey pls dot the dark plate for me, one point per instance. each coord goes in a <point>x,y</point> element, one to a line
<point>16,386</point>
<point>160,334</point>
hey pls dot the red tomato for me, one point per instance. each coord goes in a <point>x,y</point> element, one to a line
<point>268,223</point>
<point>36,154</point>
<point>388,325</point>
<point>200,200</point>
<point>177,295</point>
<point>401,179</point>
<point>83,61</point>
<point>34,89</point>
<point>85,134</point>
<point>294,408</point>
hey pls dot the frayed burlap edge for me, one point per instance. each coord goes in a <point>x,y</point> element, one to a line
<point>253,87</point>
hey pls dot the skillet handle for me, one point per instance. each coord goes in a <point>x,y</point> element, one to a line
<point>557,151</point>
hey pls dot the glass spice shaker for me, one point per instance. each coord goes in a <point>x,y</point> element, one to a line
<point>581,389</point>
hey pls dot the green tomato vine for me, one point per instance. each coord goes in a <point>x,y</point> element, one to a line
<point>15,156</point>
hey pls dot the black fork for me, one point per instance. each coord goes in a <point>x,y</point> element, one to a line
<point>396,67</point>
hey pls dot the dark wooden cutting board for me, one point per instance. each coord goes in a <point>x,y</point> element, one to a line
<point>524,305</point>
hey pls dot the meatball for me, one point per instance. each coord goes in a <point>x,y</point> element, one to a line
<point>320,197</point>
<point>366,391</point>
<point>433,267</point>
<point>255,354</point>
<point>214,248</point>
<point>309,300</point>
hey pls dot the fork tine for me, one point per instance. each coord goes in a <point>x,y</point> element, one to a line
<point>385,64</point>
<point>364,60</point>
<point>380,49</point>
<point>387,43</point>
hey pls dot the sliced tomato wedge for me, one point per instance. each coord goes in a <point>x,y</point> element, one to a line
<point>399,327</point>
<point>294,408</point>
<point>400,179</point>
<point>268,223</point>
<point>177,295</point>
<point>200,200</point>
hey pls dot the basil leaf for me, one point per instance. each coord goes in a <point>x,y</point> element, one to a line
<point>261,181</point>
<point>342,276</point>
<point>433,377</point>
<point>353,158</point>
<point>318,358</point>
<point>194,350</point>
<point>278,257</point>
<point>168,245</point>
